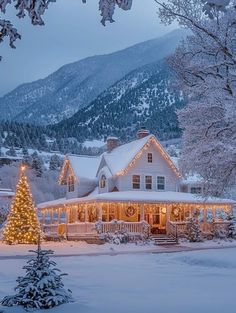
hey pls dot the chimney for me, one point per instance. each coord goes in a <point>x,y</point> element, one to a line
<point>112,143</point>
<point>142,132</point>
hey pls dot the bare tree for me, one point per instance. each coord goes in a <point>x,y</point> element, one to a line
<point>205,64</point>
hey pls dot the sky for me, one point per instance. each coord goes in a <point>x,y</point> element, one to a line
<point>72,32</point>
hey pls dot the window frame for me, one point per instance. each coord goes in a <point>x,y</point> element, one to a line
<point>103,181</point>
<point>196,188</point>
<point>145,181</point>
<point>135,182</point>
<point>71,183</point>
<point>160,184</point>
<point>150,157</point>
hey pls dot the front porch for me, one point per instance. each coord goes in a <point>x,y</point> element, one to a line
<point>93,219</point>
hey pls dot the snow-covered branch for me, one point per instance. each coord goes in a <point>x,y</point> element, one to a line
<point>35,9</point>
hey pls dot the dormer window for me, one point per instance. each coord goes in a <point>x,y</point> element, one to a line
<point>71,184</point>
<point>149,157</point>
<point>103,180</point>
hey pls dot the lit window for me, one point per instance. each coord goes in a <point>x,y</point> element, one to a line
<point>103,181</point>
<point>136,181</point>
<point>148,182</point>
<point>149,157</point>
<point>71,184</point>
<point>196,190</point>
<point>160,183</point>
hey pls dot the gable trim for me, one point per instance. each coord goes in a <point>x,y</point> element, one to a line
<point>152,140</point>
<point>66,166</point>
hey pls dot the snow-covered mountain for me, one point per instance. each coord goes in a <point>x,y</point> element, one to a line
<point>73,86</point>
<point>144,97</point>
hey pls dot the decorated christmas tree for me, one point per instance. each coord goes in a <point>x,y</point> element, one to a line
<point>42,286</point>
<point>22,223</point>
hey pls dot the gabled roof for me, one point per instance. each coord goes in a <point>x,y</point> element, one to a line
<point>82,166</point>
<point>120,158</point>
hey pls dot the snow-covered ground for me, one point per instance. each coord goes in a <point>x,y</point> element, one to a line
<point>79,248</point>
<point>186,282</point>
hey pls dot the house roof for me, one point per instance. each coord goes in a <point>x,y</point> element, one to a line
<point>82,166</point>
<point>121,157</point>
<point>4,192</point>
<point>142,197</point>
<point>118,160</point>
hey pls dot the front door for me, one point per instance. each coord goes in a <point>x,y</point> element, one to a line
<point>157,221</point>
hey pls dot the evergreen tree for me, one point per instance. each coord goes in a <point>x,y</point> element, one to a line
<point>37,164</point>
<point>55,162</point>
<point>42,286</point>
<point>232,226</point>
<point>26,156</point>
<point>22,222</point>
<point>193,230</point>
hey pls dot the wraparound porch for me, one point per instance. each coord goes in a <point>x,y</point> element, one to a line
<point>78,220</point>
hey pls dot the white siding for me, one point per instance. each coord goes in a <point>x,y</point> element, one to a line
<point>158,167</point>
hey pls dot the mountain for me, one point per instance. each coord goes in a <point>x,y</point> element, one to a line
<point>144,97</point>
<point>74,86</point>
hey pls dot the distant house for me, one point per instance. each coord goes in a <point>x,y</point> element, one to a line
<point>6,196</point>
<point>133,186</point>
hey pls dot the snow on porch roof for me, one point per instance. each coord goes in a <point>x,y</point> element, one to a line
<point>141,196</point>
<point>84,166</point>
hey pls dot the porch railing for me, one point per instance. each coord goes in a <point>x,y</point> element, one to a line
<point>179,229</point>
<point>129,227</point>
<point>80,228</point>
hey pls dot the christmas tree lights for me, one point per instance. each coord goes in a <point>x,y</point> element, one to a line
<point>22,223</point>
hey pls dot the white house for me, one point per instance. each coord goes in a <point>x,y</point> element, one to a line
<point>132,186</point>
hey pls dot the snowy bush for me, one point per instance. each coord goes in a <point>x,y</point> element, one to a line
<point>193,230</point>
<point>41,287</point>
<point>117,237</point>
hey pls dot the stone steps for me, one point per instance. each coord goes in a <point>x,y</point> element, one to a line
<point>164,240</point>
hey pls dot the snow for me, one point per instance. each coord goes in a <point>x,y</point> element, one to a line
<point>94,143</point>
<point>141,196</point>
<point>6,192</point>
<point>84,166</point>
<point>199,281</point>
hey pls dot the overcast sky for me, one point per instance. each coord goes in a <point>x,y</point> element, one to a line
<point>73,31</point>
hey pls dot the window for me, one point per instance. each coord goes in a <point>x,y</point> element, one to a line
<point>149,157</point>
<point>160,183</point>
<point>148,182</point>
<point>136,181</point>
<point>196,190</point>
<point>103,181</point>
<point>71,184</point>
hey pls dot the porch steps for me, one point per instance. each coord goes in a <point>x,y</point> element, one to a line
<point>164,240</point>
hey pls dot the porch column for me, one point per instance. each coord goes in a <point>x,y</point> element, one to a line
<point>99,211</point>
<point>86,214</point>
<point>204,217</point>
<point>59,215</point>
<point>142,213</point>
<point>43,217</point>
<point>67,214</point>
<point>214,213</point>
<point>51,216</point>
<point>168,212</point>
<point>75,213</point>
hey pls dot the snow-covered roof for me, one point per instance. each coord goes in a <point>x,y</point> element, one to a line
<point>119,158</point>
<point>4,192</point>
<point>84,166</point>
<point>140,196</point>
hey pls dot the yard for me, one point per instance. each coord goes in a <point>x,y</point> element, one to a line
<point>185,282</point>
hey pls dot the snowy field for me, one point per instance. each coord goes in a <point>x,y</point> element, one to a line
<point>185,282</point>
